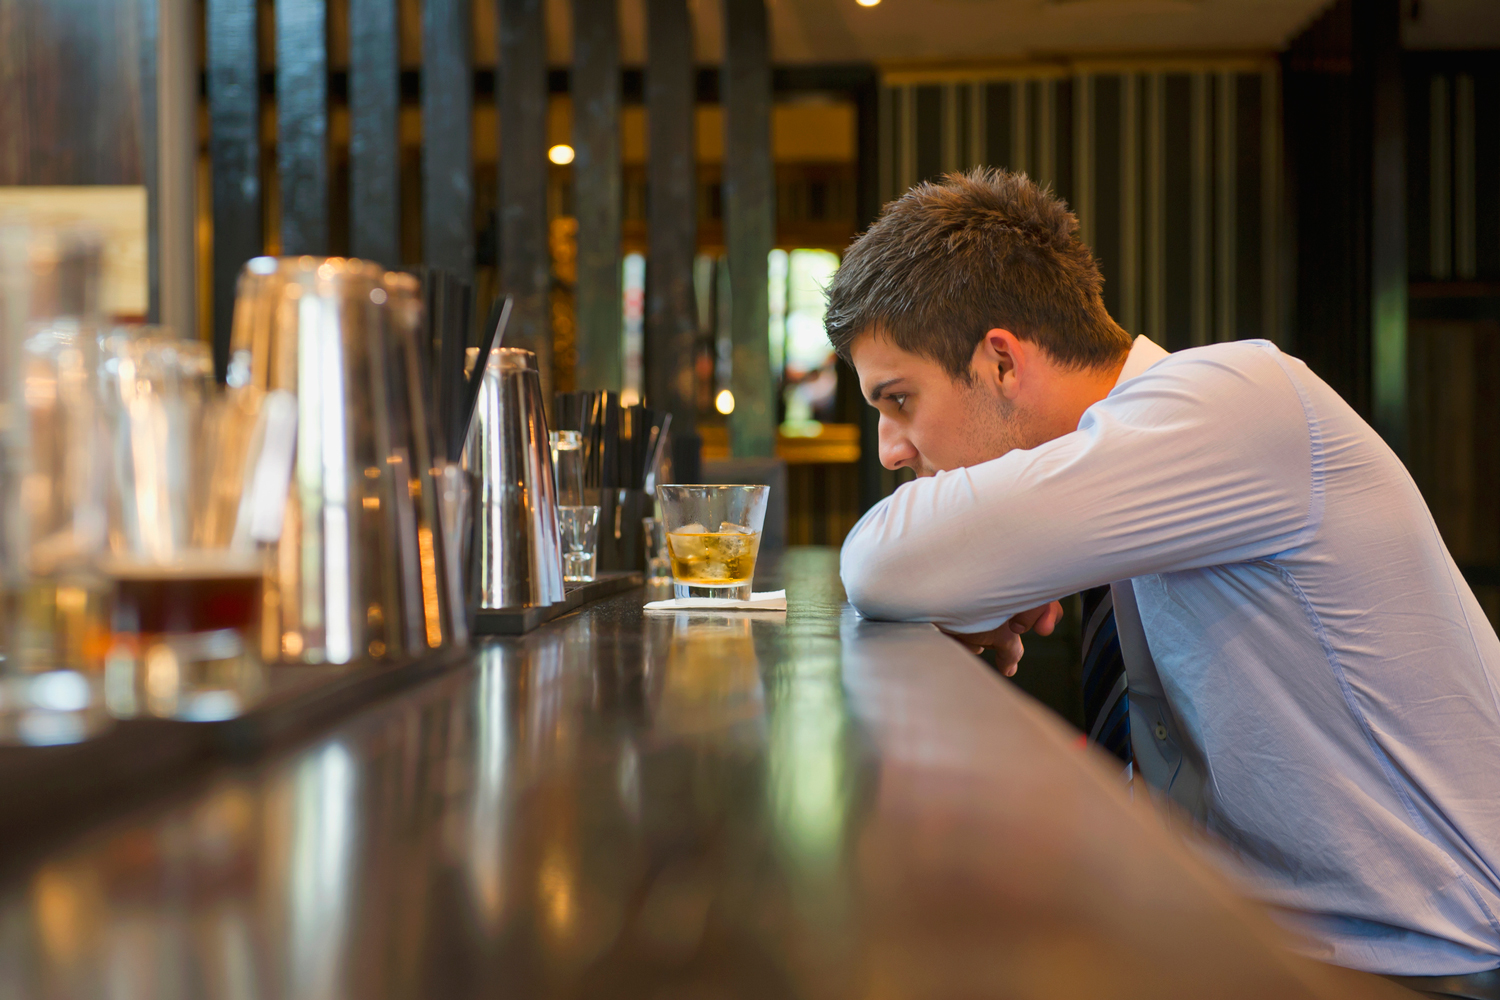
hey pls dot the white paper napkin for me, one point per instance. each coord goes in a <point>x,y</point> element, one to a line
<point>771,600</point>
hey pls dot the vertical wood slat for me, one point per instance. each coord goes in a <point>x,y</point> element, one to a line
<point>1156,218</point>
<point>671,214</point>
<point>234,153</point>
<point>1440,214</point>
<point>977,114</point>
<point>302,124</point>
<point>1083,156</point>
<point>447,139</point>
<point>525,264</point>
<point>1202,188</point>
<point>950,137</point>
<point>1224,213</point>
<point>150,161</point>
<point>1464,213</point>
<point>1020,128</point>
<point>889,142</point>
<point>750,221</point>
<point>596,192</point>
<point>1271,256</point>
<point>908,161</point>
<point>1130,208</point>
<point>1045,133</point>
<point>177,164</point>
<point>374,153</point>
<point>1377,42</point>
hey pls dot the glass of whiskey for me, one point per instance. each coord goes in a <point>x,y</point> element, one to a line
<point>713,537</point>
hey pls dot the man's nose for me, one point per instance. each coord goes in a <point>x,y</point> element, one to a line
<point>896,452</point>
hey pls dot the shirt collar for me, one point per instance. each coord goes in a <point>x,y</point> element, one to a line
<point>1143,354</point>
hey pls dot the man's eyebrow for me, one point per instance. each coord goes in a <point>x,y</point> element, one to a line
<point>880,387</point>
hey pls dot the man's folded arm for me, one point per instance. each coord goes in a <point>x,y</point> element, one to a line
<point>1147,484</point>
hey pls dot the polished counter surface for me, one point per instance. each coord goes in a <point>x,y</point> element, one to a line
<point>662,805</point>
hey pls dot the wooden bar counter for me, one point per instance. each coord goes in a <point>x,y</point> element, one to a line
<point>682,805</point>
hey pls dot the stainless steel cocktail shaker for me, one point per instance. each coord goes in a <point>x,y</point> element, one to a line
<point>517,548</point>
<point>341,483</point>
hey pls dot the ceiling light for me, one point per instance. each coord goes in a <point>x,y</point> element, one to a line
<point>867,3</point>
<point>561,154</point>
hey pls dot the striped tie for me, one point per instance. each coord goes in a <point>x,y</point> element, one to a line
<point>1106,705</point>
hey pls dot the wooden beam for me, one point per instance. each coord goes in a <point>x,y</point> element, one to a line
<point>447,138</point>
<point>302,124</point>
<point>374,154</point>
<point>525,262</point>
<point>671,216</point>
<point>596,192</point>
<point>750,223</point>
<point>234,154</point>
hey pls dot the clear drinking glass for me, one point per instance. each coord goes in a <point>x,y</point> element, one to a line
<point>658,565</point>
<point>713,537</point>
<point>567,466</point>
<point>579,527</point>
<point>186,594</point>
<point>54,620</point>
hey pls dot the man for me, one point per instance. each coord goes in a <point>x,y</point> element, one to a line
<point>1309,674</point>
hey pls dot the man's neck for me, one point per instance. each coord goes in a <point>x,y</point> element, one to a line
<point>1079,390</point>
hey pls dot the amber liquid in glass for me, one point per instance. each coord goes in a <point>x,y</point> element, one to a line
<point>157,600</point>
<point>713,558</point>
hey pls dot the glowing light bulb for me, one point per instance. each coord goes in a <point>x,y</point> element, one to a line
<point>724,402</point>
<point>867,3</point>
<point>561,154</point>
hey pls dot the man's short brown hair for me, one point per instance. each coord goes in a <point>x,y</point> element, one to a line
<point>948,262</point>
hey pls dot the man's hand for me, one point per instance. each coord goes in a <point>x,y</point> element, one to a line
<point>1006,640</point>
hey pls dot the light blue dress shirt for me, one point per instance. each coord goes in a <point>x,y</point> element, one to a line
<point>1310,676</point>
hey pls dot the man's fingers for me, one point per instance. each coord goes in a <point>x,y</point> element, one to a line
<point>1008,654</point>
<point>1050,616</point>
<point>1043,619</point>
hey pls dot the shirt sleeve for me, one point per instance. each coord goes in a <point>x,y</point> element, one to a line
<point>1199,461</point>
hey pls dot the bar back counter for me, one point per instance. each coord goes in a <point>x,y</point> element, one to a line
<point>633,804</point>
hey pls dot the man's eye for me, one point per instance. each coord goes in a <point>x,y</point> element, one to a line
<point>900,399</point>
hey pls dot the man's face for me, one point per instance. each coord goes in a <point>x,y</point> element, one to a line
<point>932,422</point>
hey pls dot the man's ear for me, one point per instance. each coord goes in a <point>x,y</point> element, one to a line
<point>1000,361</point>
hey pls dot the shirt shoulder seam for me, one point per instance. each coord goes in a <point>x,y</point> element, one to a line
<point>1316,458</point>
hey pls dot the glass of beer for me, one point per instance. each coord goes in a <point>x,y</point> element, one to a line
<point>185,578</point>
<point>713,537</point>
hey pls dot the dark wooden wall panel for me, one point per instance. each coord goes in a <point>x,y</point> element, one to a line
<point>374,153</point>
<point>70,92</point>
<point>597,194</point>
<point>997,124</point>
<point>671,314</point>
<point>234,154</point>
<point>447,138</point>
<point>928,131</point>
<point>302,124</point>
<point>1329,203</point>
<point>750,223</point>
<point>525,262</point>
<point>1177,229</point>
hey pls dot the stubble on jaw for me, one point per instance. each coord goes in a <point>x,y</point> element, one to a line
<point>996,426</point>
